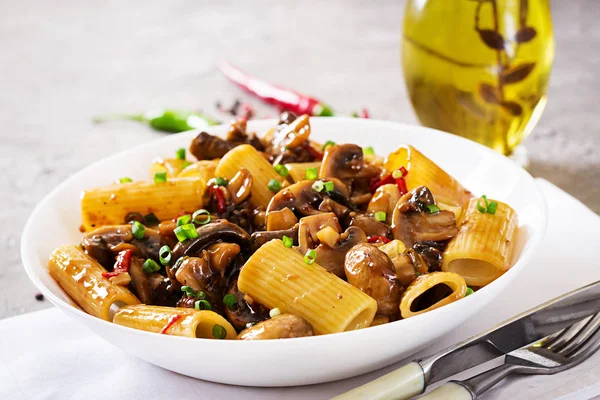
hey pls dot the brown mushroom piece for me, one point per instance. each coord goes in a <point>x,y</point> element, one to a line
<point>340,210</point>
<point>384,200</point>
<point>345,161</point>
<point>150,288</point>
<point>246,310</point>
<point>413,223</point>
<point>240,186</point>
<point>104,243</point>
<point>369,225</point>
<point>281,219</point>
<point>257,239</point>
<point>218,231</point>
<point>322,233</point>
<point>207,147</point>
<point>237,135</point>
<point>302,199</point>
<point>371,270</point>
<point>283,326</point>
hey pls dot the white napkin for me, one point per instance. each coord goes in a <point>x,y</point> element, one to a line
<point>46,355</point>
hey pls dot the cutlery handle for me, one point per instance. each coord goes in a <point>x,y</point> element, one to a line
<point>403,383</point>
<point>449,391</point>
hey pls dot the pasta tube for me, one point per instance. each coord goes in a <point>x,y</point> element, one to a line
<point>297,171</point>
<point>246,156</point>
<point>431,291</point>
<point>457,211</point>
<point>202,169</point>
<point>278,277</point>
<point>109,205</point>
<point>424,172</point>
<point>172,166</point>
<point>483,248</point>
<point>80,276</point>
<point>175,321</point>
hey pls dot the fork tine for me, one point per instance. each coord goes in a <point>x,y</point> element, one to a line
<point>562,337</point>
<point>582,338</point>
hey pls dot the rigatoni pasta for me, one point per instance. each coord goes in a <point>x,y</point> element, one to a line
<point>431,291</point>
<point>298,171</point>
<point>80,276</point>
<point>175,321</point>
<point>483,249</point>
<point>278,277</point>
<point>109,205</point>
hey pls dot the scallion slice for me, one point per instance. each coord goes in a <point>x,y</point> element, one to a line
<point>368,151</point>
<point>329,186</point>
<point>202,305</point>
<point>274,185</point>
<point>187,231</point>
<point>180,153</point>
<point>310,257</point>
<point>219,332</point>
<point>229,300</point>
<point>125,179</point>
<point>318,186</point>
<point>160,177</point>
<point>380,216</point>
<point>432,209</point>
<point>482,208</point>
<point>189,292</point>
<point>150,266</point>
<point>184,219</point>
<point>287,241</point>
<point>138,230</point>
<point>221,181</point>
<point>164,255</point>
<point>469,291</point>
<point>491,209</point>
<point>328,144</point>
<point>311,174</point>
<point>281,170</point>
<point>201,217</point>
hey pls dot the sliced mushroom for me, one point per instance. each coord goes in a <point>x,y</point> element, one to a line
<point>340,211</point>
<point>431,255</point>
<point>281,219</point>
<point>240,186</point>
<point>371,270</point>
<point>412,223</point>
<point>257,239</point>
<point>150,288</point>
<point>332,258</point>
<point>369,225</point>
<point>302,199</point>
<point>283,326</point>
<point>293,134</point>
<point>243,312</point>
<point>206,146</point>
<point>221,255</point>
<point>345,161</point>
<point>384,200</point>
<point>309,228</point>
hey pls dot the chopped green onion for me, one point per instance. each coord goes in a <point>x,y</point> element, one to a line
<point>492,207</point>
<point>229,300</point>
<point>180,153</point>
<point>125,180</point>
<point>184,219</point>
<point>368,151</point>
<point>187,231</point>
<point>287,241</point>
<point>164,255</point>
<point>327,144</point>
<point>202,305</point>
<point>150,266</point>
<point>432,209</point>
<point>138,230</point>
<point>219,332</point>
<point>311,173</point>
<point>274,185</point>
<point>469,291</point>
<point>185,164</point>
<point>398,174</point>
<point>329,186</point>
<point>281,170</point>
<point>188,291</point>
<point>318,186</point>
<point>221,181</point>
<point>274,312</point>
<point>201,295</point>
<point>310,257</point>
<point>198,219</point>
<point>160,177</point>
<point>151,219</point>
<point>380,216</point>
<point>482,208</point>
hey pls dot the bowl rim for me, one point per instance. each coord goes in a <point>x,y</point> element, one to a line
<point>28,250</point>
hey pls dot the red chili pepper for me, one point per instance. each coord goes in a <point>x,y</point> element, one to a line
<point>401,183</point>
<point>283,98</point>
<point>364,113</point>
<point>121,265</point>
<point>383,181</point>
<point>220,199</point>
<point>375,239</point>
<point>314,152</point>
<point>171,322</point>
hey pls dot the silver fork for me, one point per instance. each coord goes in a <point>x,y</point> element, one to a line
<point>555,353</point>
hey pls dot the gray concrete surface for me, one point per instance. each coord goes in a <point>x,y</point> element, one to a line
<point>65,61</point>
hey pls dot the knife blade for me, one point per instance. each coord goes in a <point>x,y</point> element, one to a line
<point>519,331</point>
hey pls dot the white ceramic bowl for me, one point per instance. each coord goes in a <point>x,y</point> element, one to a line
<point>300,361</point>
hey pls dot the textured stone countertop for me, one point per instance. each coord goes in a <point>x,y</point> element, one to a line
<point>64,62</point>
